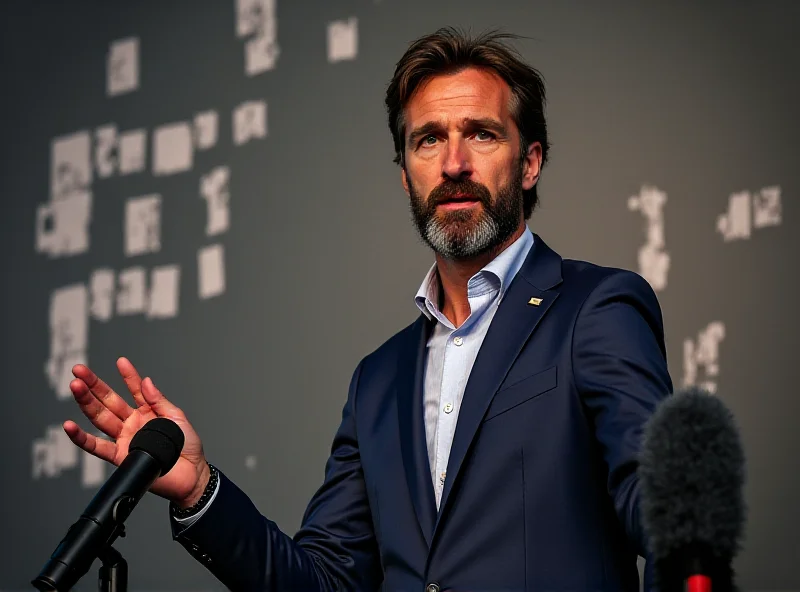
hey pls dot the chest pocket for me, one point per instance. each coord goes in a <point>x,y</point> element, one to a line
<point>521,391</point>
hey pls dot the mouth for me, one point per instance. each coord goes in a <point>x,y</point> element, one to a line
<point>458,202</point>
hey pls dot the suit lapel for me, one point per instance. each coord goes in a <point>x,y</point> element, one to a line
<point>413,441</point>
<point>515,320</point>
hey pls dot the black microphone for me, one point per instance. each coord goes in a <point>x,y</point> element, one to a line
<point>691,473</point>
<point>153,451</point>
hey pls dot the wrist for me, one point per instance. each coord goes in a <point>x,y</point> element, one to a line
<point>197,492</point>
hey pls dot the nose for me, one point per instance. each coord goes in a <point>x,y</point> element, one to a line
<point>457,164</point>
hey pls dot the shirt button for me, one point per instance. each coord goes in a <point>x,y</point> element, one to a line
<point>448,407</point>
<point>432,588</point>
<point>458,340</point>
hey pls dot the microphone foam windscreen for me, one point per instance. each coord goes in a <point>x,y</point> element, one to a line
<point>691,475</point>
<point>162,439</point>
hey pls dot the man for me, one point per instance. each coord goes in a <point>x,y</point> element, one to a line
<point>490,445</point>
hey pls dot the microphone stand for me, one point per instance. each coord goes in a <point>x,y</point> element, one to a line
<point>113,572</point>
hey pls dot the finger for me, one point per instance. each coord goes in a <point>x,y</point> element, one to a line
<point>132,379</point>
<point>157,401</point>
<point>102,392</point>
<point>100,415</point>
<point>98,447</point>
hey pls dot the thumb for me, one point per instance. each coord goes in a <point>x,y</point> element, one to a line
<point>156,400</point>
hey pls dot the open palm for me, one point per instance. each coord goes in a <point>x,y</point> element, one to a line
<point>112,415</point>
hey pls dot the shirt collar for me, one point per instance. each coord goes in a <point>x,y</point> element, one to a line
<point>502,269</point>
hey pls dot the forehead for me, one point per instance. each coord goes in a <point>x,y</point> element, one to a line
<point>471,93</point>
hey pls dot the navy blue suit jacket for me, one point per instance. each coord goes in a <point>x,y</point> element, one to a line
<point>541,490</point>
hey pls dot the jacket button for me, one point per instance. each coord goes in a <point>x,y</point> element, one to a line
<point>432,587</point>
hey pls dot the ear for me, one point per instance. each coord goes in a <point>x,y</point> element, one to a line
<point>405,181</point>
<point>532,166</point>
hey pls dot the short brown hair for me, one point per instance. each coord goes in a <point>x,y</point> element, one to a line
<point>448,51</point>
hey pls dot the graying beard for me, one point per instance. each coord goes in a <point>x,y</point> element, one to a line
<point>465,245</point>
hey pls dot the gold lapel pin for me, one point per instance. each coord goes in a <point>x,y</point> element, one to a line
<point>535,301</point>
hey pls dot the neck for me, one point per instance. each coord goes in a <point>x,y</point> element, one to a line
<point>454,274</point>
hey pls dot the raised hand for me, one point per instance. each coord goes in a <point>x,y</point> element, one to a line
<point>111,414</point>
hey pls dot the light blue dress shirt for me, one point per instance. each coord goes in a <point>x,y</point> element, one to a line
<point>451,351</point>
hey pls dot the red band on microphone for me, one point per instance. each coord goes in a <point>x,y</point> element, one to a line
<point>698,584</point>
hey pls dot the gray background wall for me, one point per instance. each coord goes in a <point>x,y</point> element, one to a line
<point>321,263</point>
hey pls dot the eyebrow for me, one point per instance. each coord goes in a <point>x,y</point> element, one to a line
<point>469,124</point>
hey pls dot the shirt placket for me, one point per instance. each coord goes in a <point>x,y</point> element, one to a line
<point>448,402</point>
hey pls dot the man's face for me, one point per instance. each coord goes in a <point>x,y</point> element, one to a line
<point>463,167</point>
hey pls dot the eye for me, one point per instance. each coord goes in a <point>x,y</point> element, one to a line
<point>425,141</point>
<point>485,135</point>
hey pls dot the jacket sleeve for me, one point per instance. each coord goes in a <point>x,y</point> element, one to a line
<point>620,369</point>
<point>335,548</point>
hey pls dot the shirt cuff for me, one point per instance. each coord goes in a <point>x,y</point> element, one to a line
<point>189,520</point>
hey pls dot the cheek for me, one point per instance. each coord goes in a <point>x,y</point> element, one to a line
<point>495,178</point>
<point>420,181</point>
<point>506,173</point>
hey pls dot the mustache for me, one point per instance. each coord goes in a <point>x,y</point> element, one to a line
<point>448,190</point>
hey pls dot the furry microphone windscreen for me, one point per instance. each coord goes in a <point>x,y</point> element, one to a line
<point>691,473</point>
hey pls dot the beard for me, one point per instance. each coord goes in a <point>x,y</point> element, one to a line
<point>463,234</point>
